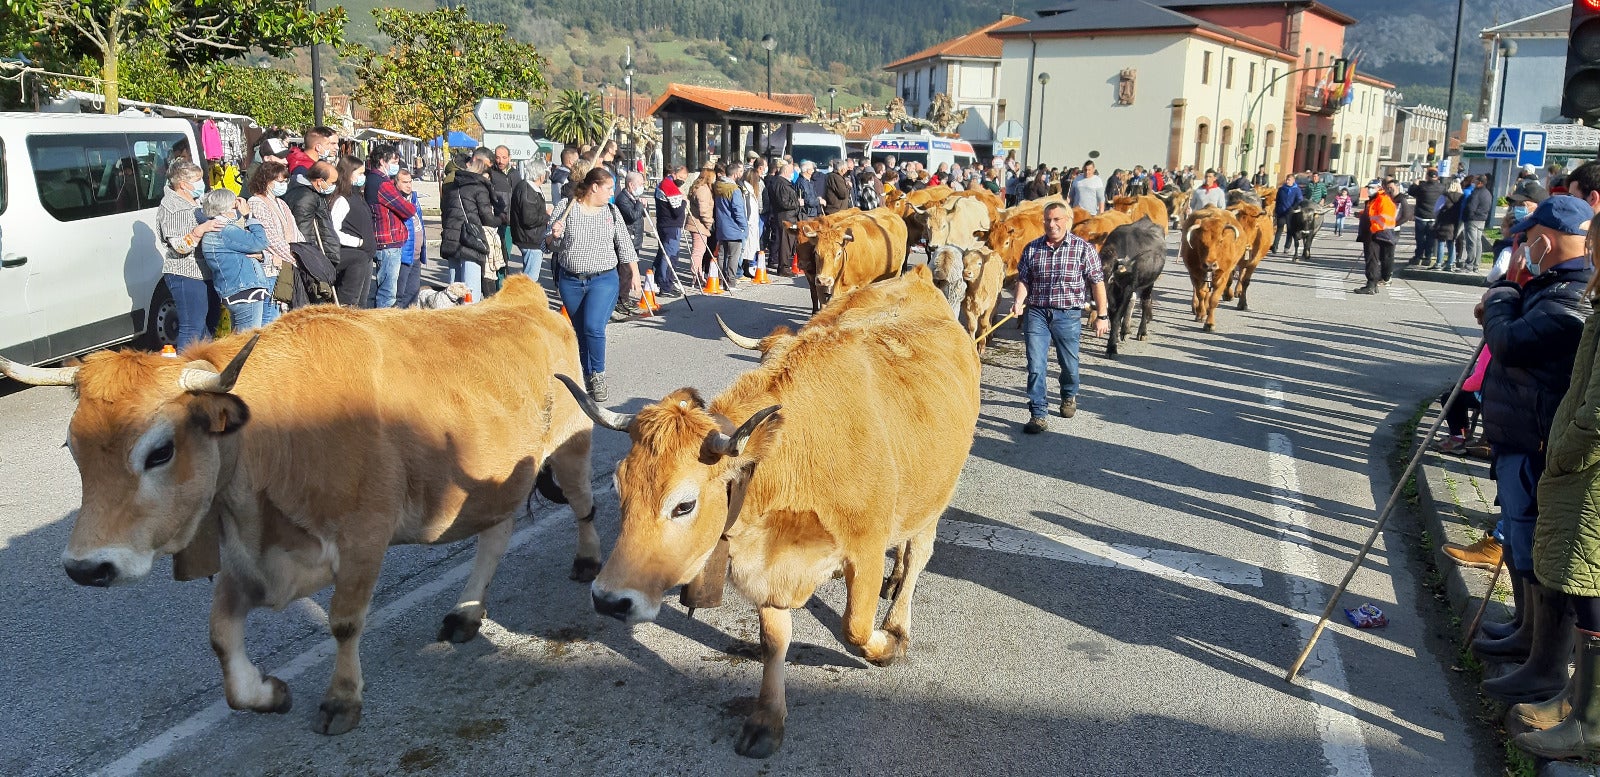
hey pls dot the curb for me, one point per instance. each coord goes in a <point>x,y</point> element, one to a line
<point>1440,276</point>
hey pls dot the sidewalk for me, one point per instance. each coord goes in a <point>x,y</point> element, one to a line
<point>1455,500</point>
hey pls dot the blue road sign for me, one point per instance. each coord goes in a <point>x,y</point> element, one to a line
<point>1531,150</point>
<point>1504,143</point>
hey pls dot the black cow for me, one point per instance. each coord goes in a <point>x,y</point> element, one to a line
<point>1133,257</point>
<point>1305,221</point>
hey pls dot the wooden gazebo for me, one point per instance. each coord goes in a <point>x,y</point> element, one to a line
<point>723,122</point>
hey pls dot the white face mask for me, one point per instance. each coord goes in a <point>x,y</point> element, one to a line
<point>1528,255</point>
<point>280,188</point>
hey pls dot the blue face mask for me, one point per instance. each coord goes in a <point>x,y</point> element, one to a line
<point>280,188</point>
<point>197,189</point>
<point>392,170</point>
<point>1519,213</point>
<point>360,182</point>
<point>794,175</point>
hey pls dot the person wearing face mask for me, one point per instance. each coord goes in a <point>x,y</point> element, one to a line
<point>390,212</point>
<point>321,145</point>
<point>1375,232</point>
<point>231,254</point>
<point>1532,332</point>
<point>672,211</point>
<point>352,220</point>
<point>311,207</point>
<point>468,221</point>
<point>267,185</point>
<point>180,231</point>
<point>414,254</point>
<point>530,217</point>
<point>630,203</point>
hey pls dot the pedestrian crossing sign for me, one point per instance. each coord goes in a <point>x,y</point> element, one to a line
<point>1503,143</point>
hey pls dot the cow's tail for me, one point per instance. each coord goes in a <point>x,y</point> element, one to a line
<point>546,484</point>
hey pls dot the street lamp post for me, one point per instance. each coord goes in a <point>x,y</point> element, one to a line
<point>832,90</point>
<point>1508,49</point>
<point>317,97</point>
<point>769,43</point>
<point>627,78</point>
<point>1038,144</point>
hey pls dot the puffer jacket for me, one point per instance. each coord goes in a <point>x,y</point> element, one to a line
<point>1477,207</point>
<point>1566,539</point>
<point>1447,215</point>
<point>702,210</point>
<point>732,221</point>
<point>1532,333</point>
<point>1427,194</point>
<point>465,202</point>
<point>529,221</point>
<point>313,215</point>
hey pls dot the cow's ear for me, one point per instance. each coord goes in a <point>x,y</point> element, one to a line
<point>981,234</point>
<point>202,557</point>
<point>218,414</point>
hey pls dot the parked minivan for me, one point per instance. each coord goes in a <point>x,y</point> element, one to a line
<point>80,263</point>
<point>928,149</point>
<point>818,147</point>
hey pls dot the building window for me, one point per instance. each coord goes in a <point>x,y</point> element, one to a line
<point>1205,68</point>
<point>1272,139</point>
<point>1227,135</point>
<point>1250,80</point>
<point>1228,77</point>
<point>1272,86</point>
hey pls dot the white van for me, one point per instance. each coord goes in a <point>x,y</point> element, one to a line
<point>819,148</point>
<point>80,264</point>
<point>929,149</point>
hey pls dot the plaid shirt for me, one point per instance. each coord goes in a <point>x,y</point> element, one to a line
<point>1059,277</point>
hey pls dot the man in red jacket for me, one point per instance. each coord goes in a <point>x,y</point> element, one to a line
<point>391,211</point>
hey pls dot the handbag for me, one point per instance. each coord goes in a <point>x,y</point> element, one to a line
<point>477,244</point>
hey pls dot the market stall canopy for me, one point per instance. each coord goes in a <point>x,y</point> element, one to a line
<point>458,139</point>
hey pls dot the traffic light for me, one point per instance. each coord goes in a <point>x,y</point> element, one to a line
<point>1433,151</point>
<point>1580,90</point>
<point>1341,66</point>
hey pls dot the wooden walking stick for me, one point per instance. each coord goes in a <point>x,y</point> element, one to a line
<point>997,324</point>
<point>1499,569</point>
<point>1383,518</point>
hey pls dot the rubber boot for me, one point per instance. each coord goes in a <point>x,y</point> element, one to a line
<point>1578,736</point>
<point>1544,674</point>
<point>1498,630</point>
<point>1546,714</point>
<point>1514,648</point>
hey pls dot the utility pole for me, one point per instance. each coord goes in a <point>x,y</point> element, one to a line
<point>1455,61</point>
<point>317,97</point>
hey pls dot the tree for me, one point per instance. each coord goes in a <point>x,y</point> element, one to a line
<point>268,95</point>
<point>576,118</point>
<point>190,32</point>
<point>440,64</point>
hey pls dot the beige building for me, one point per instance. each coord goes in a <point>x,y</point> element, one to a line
<point>1128,82</point>
<point>1364,129</point>
<point>966,68</point>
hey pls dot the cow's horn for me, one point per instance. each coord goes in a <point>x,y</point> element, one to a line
<point>747,343</point>
<point>1236,233</point>
<point>1188,237</point>
<point>734,445</point>
<point>192,379</point>
<point>38,376</point>
<point>609,419</point>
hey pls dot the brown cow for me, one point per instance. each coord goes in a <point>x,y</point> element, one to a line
<point>1257,226</point>
<point>953,227</point>
<point>1018,226</point>
<point>1096,229</point>
<point>858,250</point>
<point>912,209</point>
<point>348,432</point>
<point>805,251</point>
<point>743,470</point>
<point>985,272</point>
<point>1144,205</point>
<point>1212,243</point>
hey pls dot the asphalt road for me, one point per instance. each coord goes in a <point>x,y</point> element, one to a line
<point>1118,596</point>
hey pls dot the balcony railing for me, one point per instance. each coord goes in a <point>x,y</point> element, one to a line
<point>1317,101</point>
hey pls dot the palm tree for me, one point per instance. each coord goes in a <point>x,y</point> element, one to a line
<point>576,117</point>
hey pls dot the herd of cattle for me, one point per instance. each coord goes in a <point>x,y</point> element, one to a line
<point>289,459</point>
<point>974,245</point>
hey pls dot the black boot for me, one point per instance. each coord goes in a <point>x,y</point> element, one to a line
<point>1544,674</point>
<point>1578,736</point>
<point>1513,648</point>
<point>1498,630</point>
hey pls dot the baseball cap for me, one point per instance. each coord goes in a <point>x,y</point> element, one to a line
<point>1562,213</point>
<point>1529,170</point>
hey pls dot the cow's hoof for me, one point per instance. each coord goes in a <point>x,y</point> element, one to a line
<point>281,698</point>
<point>337,716</point>
<point>462,624</point>
<point>759,740</point>
<point>584,570</point>
<point>1210,328</point>
<point>885,647</point>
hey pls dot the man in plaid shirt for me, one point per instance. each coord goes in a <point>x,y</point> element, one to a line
<point>1054,277</point>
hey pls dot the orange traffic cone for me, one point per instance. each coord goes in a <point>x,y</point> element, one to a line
<point>467,299</point>
<point>794,264</point>
<point>713,285</point>
<point>761,275</point>
<point>169,352</point>
<point>649,303</point>
<point>564,314</point>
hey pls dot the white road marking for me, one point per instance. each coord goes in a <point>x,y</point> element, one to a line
<point>1344,748</point>
<point>1078,550</point>
<point>1330,285</point>
<point>218,711</point>
<point>1402,293</point>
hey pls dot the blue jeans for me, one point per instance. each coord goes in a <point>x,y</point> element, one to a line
<point>665,277</point>
<point>191,297</point>
<point>1443,249</point>
<point>469,272</point>
<point>1517,477</point>
<point>1425,238</point>
<point>589,302</point>
<point>533,263</point>
<point>246,315</point>
<point>1041,327</point>
<point>388,278</point>
<point>1338,225</point>
<point>410,284</point>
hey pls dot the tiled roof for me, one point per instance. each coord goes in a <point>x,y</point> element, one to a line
<point>726,100</point>
<point>616,101</point>
<point>1321,8</point>
<point>804,103</point>
<point>1124,16</point>
<point>869,127</point>
<point>978,43</point>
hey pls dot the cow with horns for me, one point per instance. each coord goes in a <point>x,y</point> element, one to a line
<point>348,432</point>
<point>889,389</point>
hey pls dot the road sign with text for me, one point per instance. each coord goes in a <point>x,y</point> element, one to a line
<point>502,115</point>
<point>1531,150</point>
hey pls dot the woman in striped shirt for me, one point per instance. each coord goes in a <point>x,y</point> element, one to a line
<point>591,241</point>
